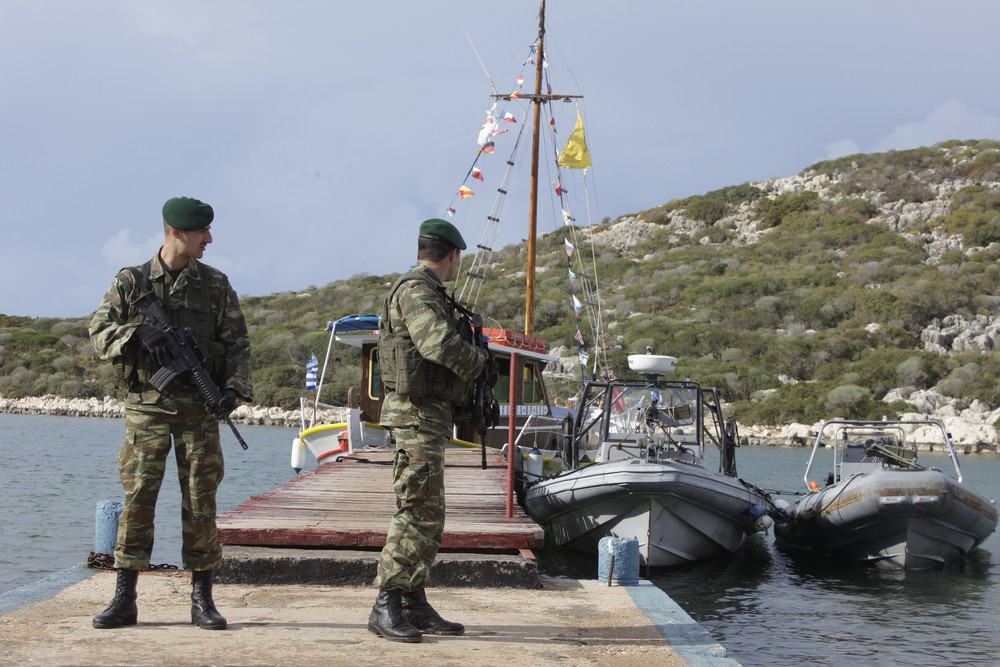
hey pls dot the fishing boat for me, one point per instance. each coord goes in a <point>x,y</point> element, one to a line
<point>333,441</point>
<point>636,468</point>
<point>878,505</point>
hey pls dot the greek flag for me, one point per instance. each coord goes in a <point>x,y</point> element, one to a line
<point>312,373</point>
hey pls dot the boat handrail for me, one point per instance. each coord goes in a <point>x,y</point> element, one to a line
<point>836,432</point>
<point>536,424</point>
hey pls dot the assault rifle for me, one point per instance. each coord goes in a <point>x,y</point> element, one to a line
<point>190,357</point>
<point>485,409</point>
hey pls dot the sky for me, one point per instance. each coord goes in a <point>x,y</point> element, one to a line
<point>323,133</point>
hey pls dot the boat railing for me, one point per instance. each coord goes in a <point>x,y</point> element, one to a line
<point>542,432</point>
<point>861,446</point>
<point>310,409</point>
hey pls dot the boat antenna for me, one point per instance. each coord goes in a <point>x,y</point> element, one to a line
<point>481,63</point>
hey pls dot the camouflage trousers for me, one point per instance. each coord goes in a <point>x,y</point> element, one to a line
<point>142,462</point>
<point>418,524</point>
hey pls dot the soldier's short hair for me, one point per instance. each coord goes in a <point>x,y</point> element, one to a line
<point>433,250</point>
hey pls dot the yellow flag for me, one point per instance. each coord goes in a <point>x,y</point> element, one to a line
<point>575,155</point>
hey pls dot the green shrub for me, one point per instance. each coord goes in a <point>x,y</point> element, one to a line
<point>772,212</point>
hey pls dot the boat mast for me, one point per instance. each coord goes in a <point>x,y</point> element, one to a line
<point>529,295</point>
<point>538,98</point>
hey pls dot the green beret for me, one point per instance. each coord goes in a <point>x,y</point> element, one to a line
<point>187,214</point>
<point>442,230</point>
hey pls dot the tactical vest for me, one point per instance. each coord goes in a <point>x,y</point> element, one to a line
<point>403,369</point>
<point>191,308</point>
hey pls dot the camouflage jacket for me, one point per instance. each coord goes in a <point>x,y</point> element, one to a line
<point>419,311</point>
<point>222,328</point>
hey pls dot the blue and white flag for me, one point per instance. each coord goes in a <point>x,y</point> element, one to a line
<point>312,373</point>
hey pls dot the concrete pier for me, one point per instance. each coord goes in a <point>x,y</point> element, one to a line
<point>565,622</point>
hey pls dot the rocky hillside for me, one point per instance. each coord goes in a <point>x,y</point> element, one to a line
<point>910,192</point>
<point>861,287</point>
<point>926,264</point>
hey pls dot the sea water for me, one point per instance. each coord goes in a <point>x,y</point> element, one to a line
<point>767,606</point>
<point>774,605</point>
<point>55,470</point>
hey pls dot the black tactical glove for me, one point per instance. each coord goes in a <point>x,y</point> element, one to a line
<point>227,404</point>
<point>160,346</point>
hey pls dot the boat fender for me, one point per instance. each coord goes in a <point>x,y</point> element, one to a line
<point>761,521</point>
<point>298,455</point>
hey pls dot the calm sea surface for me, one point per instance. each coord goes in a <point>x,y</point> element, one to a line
<point>54,471</point>
<point>768,607</point>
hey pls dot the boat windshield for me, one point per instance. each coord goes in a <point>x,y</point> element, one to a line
<point>623,411</point>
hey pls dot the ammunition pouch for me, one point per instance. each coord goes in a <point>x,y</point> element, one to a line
<point>408,374</point>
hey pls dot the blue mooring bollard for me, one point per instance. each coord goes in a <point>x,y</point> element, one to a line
<point>618,560</point>
<point>106,525</point>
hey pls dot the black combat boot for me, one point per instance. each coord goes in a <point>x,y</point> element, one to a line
<point>422,616</point>
<point>386,619</point>
<point>122,610</point>
<point>203,611</point>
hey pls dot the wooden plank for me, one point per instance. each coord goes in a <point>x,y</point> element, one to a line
<point>349,505</point>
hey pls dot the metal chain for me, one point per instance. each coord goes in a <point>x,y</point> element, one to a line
<point>101,561</point>
<point>105,561</point>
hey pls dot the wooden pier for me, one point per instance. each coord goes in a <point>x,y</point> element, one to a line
<point>348,505</point>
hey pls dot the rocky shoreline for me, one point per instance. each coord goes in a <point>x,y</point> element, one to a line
<point>970,435</point>
<point>111,408</point>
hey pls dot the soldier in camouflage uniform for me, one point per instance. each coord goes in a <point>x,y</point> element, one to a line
<point>427,368</point>
<point>193,295</point>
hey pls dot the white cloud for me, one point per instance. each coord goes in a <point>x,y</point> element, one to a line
<point>120,250</point>
<point>840,148</point>
<point>951,120</point>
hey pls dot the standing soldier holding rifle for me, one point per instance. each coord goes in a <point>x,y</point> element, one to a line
<point>174,330</point>
<point>428,367</point>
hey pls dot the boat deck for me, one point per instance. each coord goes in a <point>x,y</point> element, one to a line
<point>349,504</point>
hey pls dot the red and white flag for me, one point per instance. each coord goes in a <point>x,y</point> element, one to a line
<point>477,174</point>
